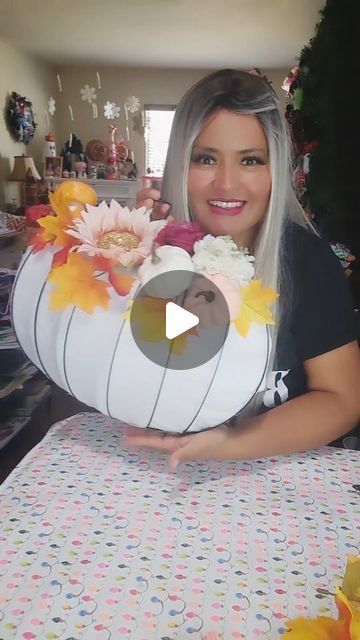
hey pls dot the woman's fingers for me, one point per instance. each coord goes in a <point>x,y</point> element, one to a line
<point>150,198</point>
<point>147,195</point>
<point>159,210</point>
<point>152,440</point>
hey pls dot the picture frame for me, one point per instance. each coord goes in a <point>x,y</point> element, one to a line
<point>53,167</point>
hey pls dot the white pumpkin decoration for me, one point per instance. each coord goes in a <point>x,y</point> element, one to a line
<point>95,358</point>
<point>87,347</point>
<point>164,260</point>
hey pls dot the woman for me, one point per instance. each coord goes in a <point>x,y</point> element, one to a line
<point>228,167</point>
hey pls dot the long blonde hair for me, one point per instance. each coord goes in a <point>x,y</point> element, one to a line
<point>243,93</point>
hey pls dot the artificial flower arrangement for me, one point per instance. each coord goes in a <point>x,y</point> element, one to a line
<point>130,249</point>
<point>347,599</point>
<point>74,310</point>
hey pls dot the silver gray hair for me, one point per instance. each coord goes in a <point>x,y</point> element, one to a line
<point>243,93</point>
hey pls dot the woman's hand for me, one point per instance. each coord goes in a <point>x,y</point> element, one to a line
<point>212,444</point>
<point>149,198</point>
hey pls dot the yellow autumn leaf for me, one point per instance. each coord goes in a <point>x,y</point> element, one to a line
<point>75,284</point>
<point>148,318</point>
<point>179,343</point>
<point>54,231</point>
<point>126,314</point>
<point>254,308</point>
<point>351,580</point>
<point>320,628</point>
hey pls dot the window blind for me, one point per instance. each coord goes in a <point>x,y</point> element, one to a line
<point>158,121</point>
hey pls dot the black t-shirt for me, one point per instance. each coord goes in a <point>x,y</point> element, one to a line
<point>319,313</point>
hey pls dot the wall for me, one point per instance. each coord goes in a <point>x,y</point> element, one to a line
<point>37,81</point>
<point>159,86</point>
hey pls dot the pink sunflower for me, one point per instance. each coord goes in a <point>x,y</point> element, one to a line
<point>115,232</point>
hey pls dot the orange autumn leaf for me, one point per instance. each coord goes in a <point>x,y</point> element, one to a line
<point>75,284</point>
<point>254,308</point>
<point>122,282</point>
<point>119,280</point>
<point>104,264</point>
<point>38,241</point>
<point>60,257</point>
<point>54,228</point>
<point>350,615</point>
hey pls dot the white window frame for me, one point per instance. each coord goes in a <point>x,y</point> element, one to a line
<point>156,144</point>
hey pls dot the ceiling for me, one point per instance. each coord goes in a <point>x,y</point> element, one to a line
<point>162,33</point>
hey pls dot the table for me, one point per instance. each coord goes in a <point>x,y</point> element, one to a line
<point>100,542</point>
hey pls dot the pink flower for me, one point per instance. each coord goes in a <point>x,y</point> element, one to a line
<point>115,233</point>
<point>230,292</point>
<point>181,234</point>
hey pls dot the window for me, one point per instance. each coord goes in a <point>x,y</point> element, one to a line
<point>158,121</point>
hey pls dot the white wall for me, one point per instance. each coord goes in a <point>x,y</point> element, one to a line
<point>38,81</point>
<point>159,86</point>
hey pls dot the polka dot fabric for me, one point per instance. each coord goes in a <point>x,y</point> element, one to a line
<point>99,542</point>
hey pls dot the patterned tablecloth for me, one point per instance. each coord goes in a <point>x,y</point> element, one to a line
<point>99,542</point>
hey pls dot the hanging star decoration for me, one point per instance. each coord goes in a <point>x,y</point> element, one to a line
<point>52,106</point>
<point>88,94</point>
<point>111,110</point>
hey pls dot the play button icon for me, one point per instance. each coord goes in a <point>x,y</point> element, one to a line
<point>179,330</point>
<point>178,320</point>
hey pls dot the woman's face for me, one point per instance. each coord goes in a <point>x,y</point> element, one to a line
<point>229,180</point>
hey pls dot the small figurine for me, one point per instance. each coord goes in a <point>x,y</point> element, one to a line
<point>49,149</point>
<point>101,172</point>
<point>93,173</point>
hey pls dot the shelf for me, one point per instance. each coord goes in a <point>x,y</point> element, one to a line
<point>123,190</point>
<point>9,384</point>
<point>25,407</point>
<point>22,386</point>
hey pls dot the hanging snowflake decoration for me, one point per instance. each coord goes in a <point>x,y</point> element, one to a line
<point>111,110</point>
<point>88,94</point>
<point>132,104</point>
<point>52,106</point>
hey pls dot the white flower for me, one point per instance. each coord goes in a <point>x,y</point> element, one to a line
<point>132,104</point>
<point>221,255</point>
<point>111,110</point>
<point>52,106</point>
<point>88,94</point>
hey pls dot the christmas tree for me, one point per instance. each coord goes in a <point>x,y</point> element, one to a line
<point>324,120</point>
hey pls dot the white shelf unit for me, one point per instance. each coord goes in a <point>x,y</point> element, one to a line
<point>124,191</point>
